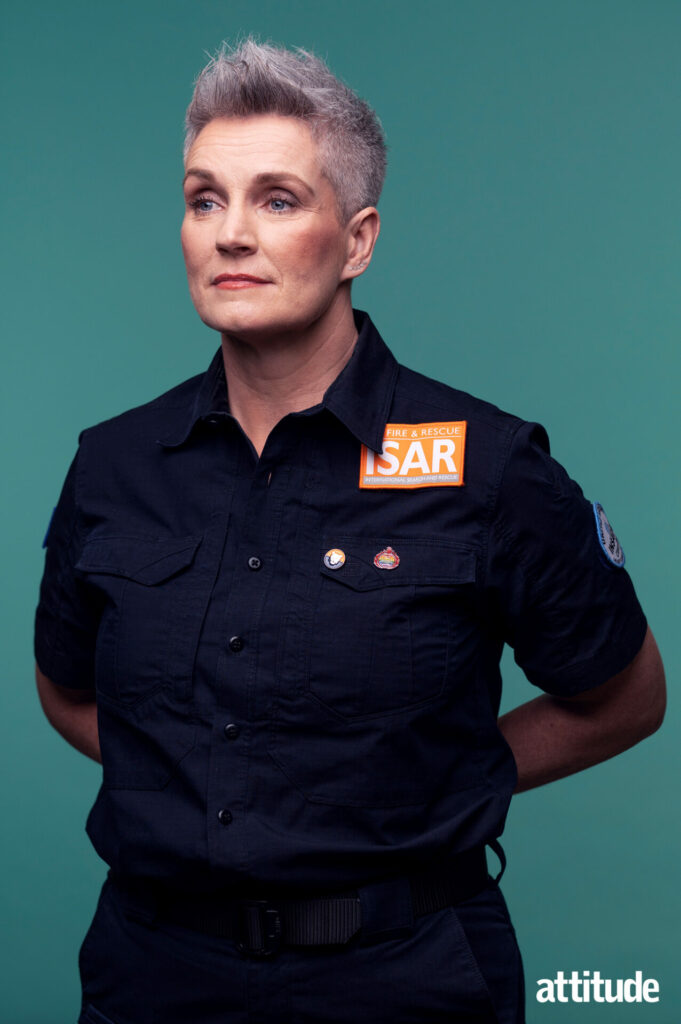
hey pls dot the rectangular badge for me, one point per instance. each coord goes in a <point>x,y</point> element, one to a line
<point>416,455</point>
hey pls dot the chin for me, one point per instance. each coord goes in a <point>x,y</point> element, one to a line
<point>253,324</point>
<point>242,327</point>
<point>235,320</point>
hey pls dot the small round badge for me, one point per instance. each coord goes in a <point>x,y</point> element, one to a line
<point>334,558</point>
<point>386,559</point>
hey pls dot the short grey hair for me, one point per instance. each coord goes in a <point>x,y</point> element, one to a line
<point>258,78</point>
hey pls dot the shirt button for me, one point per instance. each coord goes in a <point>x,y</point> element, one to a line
<point>232,731</point>
<point>236,644</point>
<point>254,562</point>
<point>224,816</point>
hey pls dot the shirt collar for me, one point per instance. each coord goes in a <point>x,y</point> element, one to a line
<point>360,396</point>
<point>210,400</point>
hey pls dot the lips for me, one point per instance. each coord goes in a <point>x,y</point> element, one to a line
<point>237,280</point>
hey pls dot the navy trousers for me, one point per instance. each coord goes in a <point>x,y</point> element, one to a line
<point>459,964</point>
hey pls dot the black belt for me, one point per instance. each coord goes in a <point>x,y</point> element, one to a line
<point>260,926</point>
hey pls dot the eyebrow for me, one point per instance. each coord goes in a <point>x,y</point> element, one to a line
<point>264,178</point>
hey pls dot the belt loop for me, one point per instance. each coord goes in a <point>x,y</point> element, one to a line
<point>387,909</point>
<point>495,845</point>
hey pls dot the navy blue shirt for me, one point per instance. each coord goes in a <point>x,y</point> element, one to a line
<point>297,677</point>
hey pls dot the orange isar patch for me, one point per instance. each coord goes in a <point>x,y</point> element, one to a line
<point>416,455</point>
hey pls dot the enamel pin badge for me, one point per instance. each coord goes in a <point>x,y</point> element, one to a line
<point>386,559</point>
<point>334,558</point>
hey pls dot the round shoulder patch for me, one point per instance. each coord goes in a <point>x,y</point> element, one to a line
<point>612,549</point>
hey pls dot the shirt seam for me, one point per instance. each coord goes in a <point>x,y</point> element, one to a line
<point>491,508</point>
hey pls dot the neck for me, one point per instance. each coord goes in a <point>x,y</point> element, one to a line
<point>280,374</point>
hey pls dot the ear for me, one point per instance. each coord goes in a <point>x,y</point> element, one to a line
<point>361,232</point>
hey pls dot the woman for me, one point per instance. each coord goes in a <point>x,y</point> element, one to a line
<point>274,603</point>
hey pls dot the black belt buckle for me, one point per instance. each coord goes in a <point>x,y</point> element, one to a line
<point>258,921</point>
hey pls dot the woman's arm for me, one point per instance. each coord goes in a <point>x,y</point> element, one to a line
<point>73,713</point>
<point>555,736</point>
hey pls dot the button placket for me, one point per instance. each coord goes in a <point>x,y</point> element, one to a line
<point>250,558</point>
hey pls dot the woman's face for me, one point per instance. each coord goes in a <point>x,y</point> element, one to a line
<point>263,246</point>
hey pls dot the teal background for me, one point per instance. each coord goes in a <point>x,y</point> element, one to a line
<point>530,253</point>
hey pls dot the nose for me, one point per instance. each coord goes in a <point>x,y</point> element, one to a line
<point>236,230</point>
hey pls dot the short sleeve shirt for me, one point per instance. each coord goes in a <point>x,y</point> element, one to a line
<point>296,657</point>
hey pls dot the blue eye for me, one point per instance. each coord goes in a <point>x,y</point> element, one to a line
<point>202,204</point>
<point>278,204</point>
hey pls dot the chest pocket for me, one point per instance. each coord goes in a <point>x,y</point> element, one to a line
<point>381,639</point>
<point>145,637</point>
<point>373,689</point>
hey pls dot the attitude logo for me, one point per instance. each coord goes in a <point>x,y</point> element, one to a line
<point>585,987</point>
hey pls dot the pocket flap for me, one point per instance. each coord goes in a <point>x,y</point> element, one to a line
<point>421,561</point>
<point>140,559</point>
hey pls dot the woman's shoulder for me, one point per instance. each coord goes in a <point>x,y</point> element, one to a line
<point>158,418</point>
<point>417,395</point>
<point>163,406</point>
